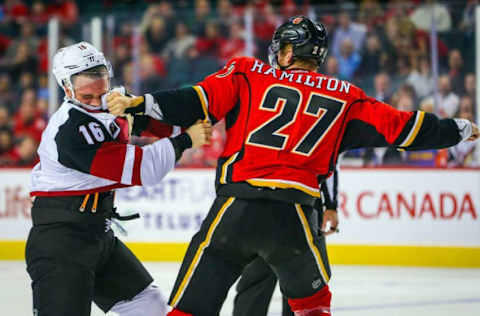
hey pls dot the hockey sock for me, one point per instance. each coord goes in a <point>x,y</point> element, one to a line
<point>316,305</point>
<point>176,312</point>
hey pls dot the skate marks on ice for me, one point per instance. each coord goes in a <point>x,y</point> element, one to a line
<point>358,290</point>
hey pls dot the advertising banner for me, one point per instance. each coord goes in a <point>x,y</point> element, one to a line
<point>376,207</point>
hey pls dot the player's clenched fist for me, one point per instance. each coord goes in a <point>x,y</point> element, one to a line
<point>475,132</point>
<point>200,133</point>
<point>117,103</point>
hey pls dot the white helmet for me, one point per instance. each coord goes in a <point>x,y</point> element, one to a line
<point>73,59</point>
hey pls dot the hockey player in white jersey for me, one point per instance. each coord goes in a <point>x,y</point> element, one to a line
<point>72,255</point>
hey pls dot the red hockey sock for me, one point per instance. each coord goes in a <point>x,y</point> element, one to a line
<point>176,312</point>
<point>316,305</point>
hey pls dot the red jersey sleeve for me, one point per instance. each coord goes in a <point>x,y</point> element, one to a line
<point>219,92</point>
<point>150,127</point>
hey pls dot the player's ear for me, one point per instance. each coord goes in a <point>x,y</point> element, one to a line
<point>285,55</point>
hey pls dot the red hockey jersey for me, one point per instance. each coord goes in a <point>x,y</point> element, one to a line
<point>286,128</point>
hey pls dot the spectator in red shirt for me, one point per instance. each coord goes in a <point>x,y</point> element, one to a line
<point>16,10</point>
<point>39,14</point>
<point>235,44</point>
<point>212,41</point>
<point>22,155</point>
<point>66,10</point>
<point>27,122</point>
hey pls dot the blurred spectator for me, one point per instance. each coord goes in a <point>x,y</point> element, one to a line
<point>7,97</point>
<point>464,153</point>
<point>456,72</point>
<point>348,60</point>
<point>156,35</point>
<point>121,56</point>
<point>466,108</point>
<point>470,86</point>
<point>225,16</point>
<point>212,41</point>
<point>467,33</point>
<point>404,97</point>
<point>4,117</point>
<point>42,87</point>
<point>39,14</point>
<point>177,46</point>
<point>27,36</point>
<point>381,85</point>
<point>370,13</point>
<point>16,11</point>
<point>405,103</point>
<point>422,16</point>
<point>124,36</point>
<point>202,14</point>
<point>348,30</point>
<point>201,65</point>
<point>331,67</point>
<point>66,10</point>
<point>235,45</point>
<point>371,57</point>
<point>26,81</point>
<point>23,154</point>
<point>420,77</point>
<point>152,72</point>
<point>128,77</point>
<point>164,10</point>
<point>20,61</point>
<point>467,24</point>
<point>448,101</point>
<point>401,72</point>
<point>27,122</point>
<point>264,24</point>
<point>6,141</point>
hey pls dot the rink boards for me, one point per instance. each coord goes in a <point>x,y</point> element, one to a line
<point>414,217</point>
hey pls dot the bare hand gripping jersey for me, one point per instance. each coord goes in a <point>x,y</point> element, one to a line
<point>84,152</point>
<point>285,129</point>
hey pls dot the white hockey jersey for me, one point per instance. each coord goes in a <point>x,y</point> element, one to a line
<point>85,152</point>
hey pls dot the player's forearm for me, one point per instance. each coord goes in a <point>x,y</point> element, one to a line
<point>177,107</point>
<point>435,133</point>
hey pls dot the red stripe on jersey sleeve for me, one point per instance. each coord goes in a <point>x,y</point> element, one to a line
<point>136,178</point>
<point>157,129</point>
<point>387,120</point>
<point>108,161</point>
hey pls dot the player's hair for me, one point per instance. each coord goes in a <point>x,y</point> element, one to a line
<point>96,72</point>
<point>302,62</point>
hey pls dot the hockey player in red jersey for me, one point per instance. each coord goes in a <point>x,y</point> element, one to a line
<point>286,125</point>
<point>72,255</point>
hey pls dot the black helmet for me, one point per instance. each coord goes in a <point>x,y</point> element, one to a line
<point>309,39</point>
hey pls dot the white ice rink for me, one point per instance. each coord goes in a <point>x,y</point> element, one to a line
<point>358,290</point>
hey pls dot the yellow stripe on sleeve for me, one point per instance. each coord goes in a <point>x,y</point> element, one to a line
<point>203,101</point>
<point>415,129</point>
<point>223,177</point>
